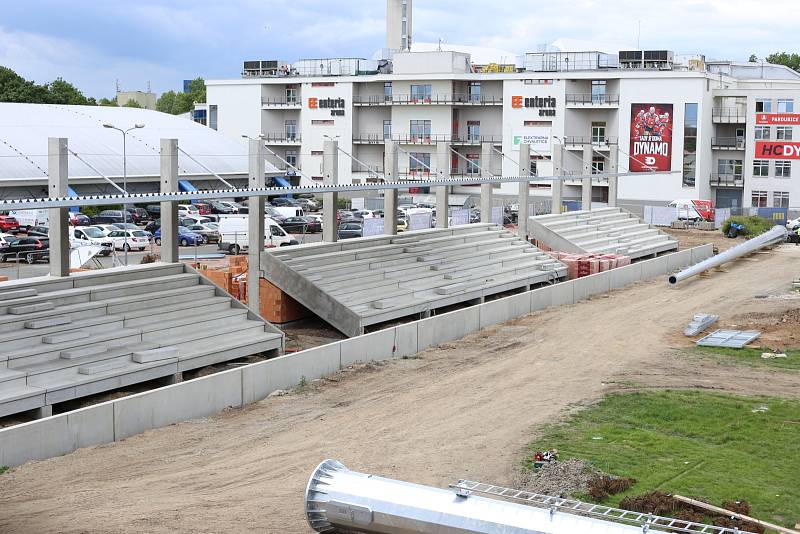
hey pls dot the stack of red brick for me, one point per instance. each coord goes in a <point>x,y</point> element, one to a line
<point>580,265</point>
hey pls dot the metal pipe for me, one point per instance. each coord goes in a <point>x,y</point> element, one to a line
<point>338,499</point>
<point>776,235</point>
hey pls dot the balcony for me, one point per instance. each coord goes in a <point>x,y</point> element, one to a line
<point>369,139</point>
<point>729,115</point>
<point>572,142</point>
<point>279,102</point>
<point>472,140</point>
<point>589,100</point>
<point>424,139</point>
<point>727,143</point>
<point>282,139</point>
<point>727,180</point>
<point>450,99</point>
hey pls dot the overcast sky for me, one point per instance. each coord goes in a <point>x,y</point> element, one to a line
<point>94,43</point>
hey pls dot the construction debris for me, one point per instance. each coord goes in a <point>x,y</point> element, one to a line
<point>699,323</point>
<point>562,479</point>
<point>772,355</point>
<point>580,265</point>
<point>601,486</point>
<point>732,339</point>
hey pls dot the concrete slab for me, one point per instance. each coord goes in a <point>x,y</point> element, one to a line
<point>654,268</point>
<point>563,294</point>
<point>502,310</point>
<point>625,276</point>
<point>677,261</point>
<point>589,286</point>
<point>31,308</point>
<point>374,347</point>
<point>101,367</point>
<point>541,298</point>
<point>154,355</point>
<point>64,337</point>
<point>447,327</point>
<point>38,324</point>
<point>18,294</point>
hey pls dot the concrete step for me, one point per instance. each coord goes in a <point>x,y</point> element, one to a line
<point>59,298</point>
<point>107,277</point>
<point>64,337</point>
<point>82,352</point>
<point>37,353</point>
<point>23,338</point>
<point>205,337</point>
<point>154,355</point>
<point>138,287</point>
<point>31,308</point>
<point>20,398</point>
<point>240,346</point>
<point>58,368</point>
<point>181,309</point>
<point>38,324</point>
<point>10,323</point>
<point>156,300</point>
<point>162,329</point>
<point>100,367</point>
<point>18,294</point>
<point>11,378</point>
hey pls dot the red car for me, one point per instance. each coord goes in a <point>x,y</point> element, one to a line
<point>8,224</point>
<point>203,207</point>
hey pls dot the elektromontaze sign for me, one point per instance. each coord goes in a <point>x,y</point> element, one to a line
<point>777,118</point>
<point>777,150</point>
<point>651,138</point>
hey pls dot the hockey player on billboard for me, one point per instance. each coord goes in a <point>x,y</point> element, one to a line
<point>651,138</point>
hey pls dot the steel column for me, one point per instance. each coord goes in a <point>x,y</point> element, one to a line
<point>169,209</point>
<point>330,201</point>
<point>58,175</point>
<point>255,223</point>
<point>524,190</point>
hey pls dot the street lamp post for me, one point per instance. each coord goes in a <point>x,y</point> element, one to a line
<point>124,133</point>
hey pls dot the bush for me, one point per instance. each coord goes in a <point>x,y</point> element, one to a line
<point>753,225</point>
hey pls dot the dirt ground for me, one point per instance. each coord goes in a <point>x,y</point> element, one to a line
<point>692,238</point>
<point>462,410</point>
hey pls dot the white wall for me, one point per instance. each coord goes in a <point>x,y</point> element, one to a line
<point>314,134</point>
<point>238,109</point>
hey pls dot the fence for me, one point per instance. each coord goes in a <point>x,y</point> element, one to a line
<point>122,418</point>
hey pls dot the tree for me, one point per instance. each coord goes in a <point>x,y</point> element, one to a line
<point>131,104</point>
<point>166,102</point>
<point>197,88</point>
<point>62,92</point>
<point>107,102</point>
<point>15,88</point>
<point>753,58</point>
<point>784,58</point>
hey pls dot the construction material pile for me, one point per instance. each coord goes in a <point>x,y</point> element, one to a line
<point>580,265</point>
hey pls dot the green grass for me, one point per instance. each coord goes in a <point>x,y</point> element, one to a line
<point>753,225</point>
<point>751,356</point>
<point>694,444</point>
<point>3,469</point>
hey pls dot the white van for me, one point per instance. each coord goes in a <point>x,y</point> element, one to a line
<point>30,218</point>
<point>288,211</point>
<point>233,234</point>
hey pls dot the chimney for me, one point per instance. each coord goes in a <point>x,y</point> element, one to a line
<point>398,24</point>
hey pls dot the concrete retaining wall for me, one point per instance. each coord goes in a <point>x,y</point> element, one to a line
<point>122,418</point>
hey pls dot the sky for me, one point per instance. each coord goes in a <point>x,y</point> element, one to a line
<point>95,43</point>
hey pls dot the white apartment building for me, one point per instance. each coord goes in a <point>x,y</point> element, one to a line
<point>724,131</point>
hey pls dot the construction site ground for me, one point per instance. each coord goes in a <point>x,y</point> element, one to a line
<point>466,409</point>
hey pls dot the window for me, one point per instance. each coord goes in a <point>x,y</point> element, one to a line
<point>473,164</point>
<point>759,199</point>
<point>783,169</point>
<point>780,199</point>
<point>598,132</point>
<point>387,91</point>
<point>421,92</point>
<point>762,132</point>
<point>598,164</point>
<point>473,130</point>
<point>598,91</point>
<point>763,106</point>
<point>783,133</point>
<point>761,167</point>
<point>323,84</point>
<point>322,122</point>
<point>317,152</point>
<point>212,117</point>
<point>291,94</point>
<point>420,130</point>
<point>730,168</point>
<point>689,145</point>
<point>785,105</point>
<point>474,91</point>
<point>290,127</point>
<point>291,157</point>
<point>387,129</point>
<point>419,162</point>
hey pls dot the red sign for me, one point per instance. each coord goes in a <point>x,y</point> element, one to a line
<point>651,138</point>
<point>777,150</point>
<point>777,118</point>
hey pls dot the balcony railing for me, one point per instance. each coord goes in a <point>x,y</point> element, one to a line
<point>475,139</point>
<point>432,99</point>
<point>727,180</point>
<point>280,101</point>
<point>589,140</point>
<point>282,138</point>
<point>431,139</point>
<point>728,143</point>
<point>729,115</point>
<point>370,139</point>
<point>588,99</point>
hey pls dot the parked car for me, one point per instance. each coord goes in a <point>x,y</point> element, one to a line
<point>308,204</point>
<point>184,210</point>
<point>29,249</point>
<point>79,219</point>
<point>185,237</point>
<point>5,242</point>
<point>203,208</point>
<point>366,214</point>
<point>402,225</point>
<point>220,208</point>
<point>154,210</point>
<point>29,218</point>
<point>793,224</point>
<point>350,230</point>
<point>194,219</point>
<point>106,228</point>
<point>39,231</point>
<point>129,239</point>
<point>234,232</point>
<point>152,226</point>
<point>112,217</point>
<point>90,235</point>
<point>8,223</point>
<point>282,202</point>
<point>301,225</point>
<point>211,235</point>
<point>140,215</point>
<point>347,216</point>
<point>227,204</point>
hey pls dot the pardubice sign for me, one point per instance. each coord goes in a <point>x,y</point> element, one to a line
<point>546,104</point>
<point>777,118</point>
<point>336,105</point>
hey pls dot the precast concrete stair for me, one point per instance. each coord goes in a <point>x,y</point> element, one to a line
<point>601,231</point>
<point>99,331</point>
<point>358,282</point>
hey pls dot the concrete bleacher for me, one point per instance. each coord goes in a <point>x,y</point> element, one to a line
<point>601,231</point>
<point>66,338</point>
<point>355,283</point>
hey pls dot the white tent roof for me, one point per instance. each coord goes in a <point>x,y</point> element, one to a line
<point>24,129</point>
